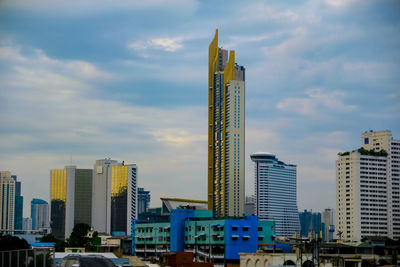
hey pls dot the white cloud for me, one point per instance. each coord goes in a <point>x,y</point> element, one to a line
<point>315,100</point>
<point>165,44</point>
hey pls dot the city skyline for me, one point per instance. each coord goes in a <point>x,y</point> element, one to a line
<point>87,83</point>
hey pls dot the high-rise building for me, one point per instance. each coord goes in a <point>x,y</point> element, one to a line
<point>249,205</point>
<point>19,204</point>
<point>71,199</point>
<point>276,192</point>
<point>368,188</point>
<point>328,218</point>
<point>114,196</point>
<point>39,214</point>
<point>7,202</point>
<point>311,224</point>
<point>226,132</point>
<point>27,223</point>
<point>143,200</point>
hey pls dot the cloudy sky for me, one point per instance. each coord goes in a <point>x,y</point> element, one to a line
<point>127,79</point>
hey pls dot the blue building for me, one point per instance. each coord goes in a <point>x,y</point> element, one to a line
<point>209,238</point>
<point>19,204</point>
<point>276,193</point>
<point>39,214</point>
<point>311,221</point>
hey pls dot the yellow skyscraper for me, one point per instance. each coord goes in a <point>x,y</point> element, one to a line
<point>226,132</point>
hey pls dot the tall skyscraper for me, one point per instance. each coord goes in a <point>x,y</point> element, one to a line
<point>39,214</point>
<point>19,204</point>
<point>226,135</point>
<point>276,192</point>
<point>71,199</point>
<point>7,202</point>
<point>143,200</point>
<point>114,196</point>
<point>368,188</point>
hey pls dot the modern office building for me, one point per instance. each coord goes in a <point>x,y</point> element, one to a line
<point>215,239</point>
<point>7,202</point>
<point>114,196</point>
<point>19,204</point>
<point>368,188</point>
<point>276,192</point>
<point>311,225</point>
<point>39,214</point>
<point>143,200</point>
<point>27,223</point>
<point>226,132</point>
<point>328,219</point>
<point>71,199</point>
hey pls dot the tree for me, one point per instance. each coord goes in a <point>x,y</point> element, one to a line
<point>59,245</point>
<point>8,242</point>
<point>78,237</point>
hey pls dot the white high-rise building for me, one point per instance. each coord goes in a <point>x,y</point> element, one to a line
<point>276,193</point>
<point>368,188</point>
<point>27,223</point>
<point>7,202</point>
<point>114,196</point>
<point>40,214</point>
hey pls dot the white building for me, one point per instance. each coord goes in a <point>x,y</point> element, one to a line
<point>276,193</point>
<point>7,201</point>
<point>328,218</point>
<point>114,196</point>
<point>27,223</point>
<point>368,188</point>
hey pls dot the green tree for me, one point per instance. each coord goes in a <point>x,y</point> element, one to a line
<point>59,245</point>
<point>8,242</point>
<point>78,237</point>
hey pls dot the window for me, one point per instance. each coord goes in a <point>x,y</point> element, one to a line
<point>366,140</point>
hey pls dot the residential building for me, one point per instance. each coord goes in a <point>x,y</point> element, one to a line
<point>210,238</point>
<point>368,188</point>
<point>7,202</point>
<point>328,219</point>
<point>143,200</point>
<point>27,223</point>
<point>71,199</point>
<point>114,196</point>
<point>249,205</point>
<point>276,192</point>
<point>39,214</point>
<point>226,132</point>
<point>19,204</point>
<point>311,225</point>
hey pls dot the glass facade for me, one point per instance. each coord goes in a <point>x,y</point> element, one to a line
<point>83,196</point>
<point>58,195</point>
<point>119,198</point>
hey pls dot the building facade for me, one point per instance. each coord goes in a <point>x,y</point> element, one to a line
<point>71,199</point>
<point>226,132</point>
<point>39,214</point>
<point>215,239</point>
<point>276,193</point>
<point>311,225</point>
<point>114,196</point>
<point>7,202</point>
<point>328,219</point>
<point>27,223</point>
<point>19,204</point>
<point>368,188</point>
<point>143,200</point>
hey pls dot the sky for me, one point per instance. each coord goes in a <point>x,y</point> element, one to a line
<point>127,80</point>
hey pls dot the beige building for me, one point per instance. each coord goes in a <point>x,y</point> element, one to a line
<point>7,202</point>
<point>226,135</point>
<point>368,188</point>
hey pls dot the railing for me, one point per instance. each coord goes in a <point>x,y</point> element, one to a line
<point>38,257</point>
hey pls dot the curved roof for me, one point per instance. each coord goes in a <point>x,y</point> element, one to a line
<point>262,154</point>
